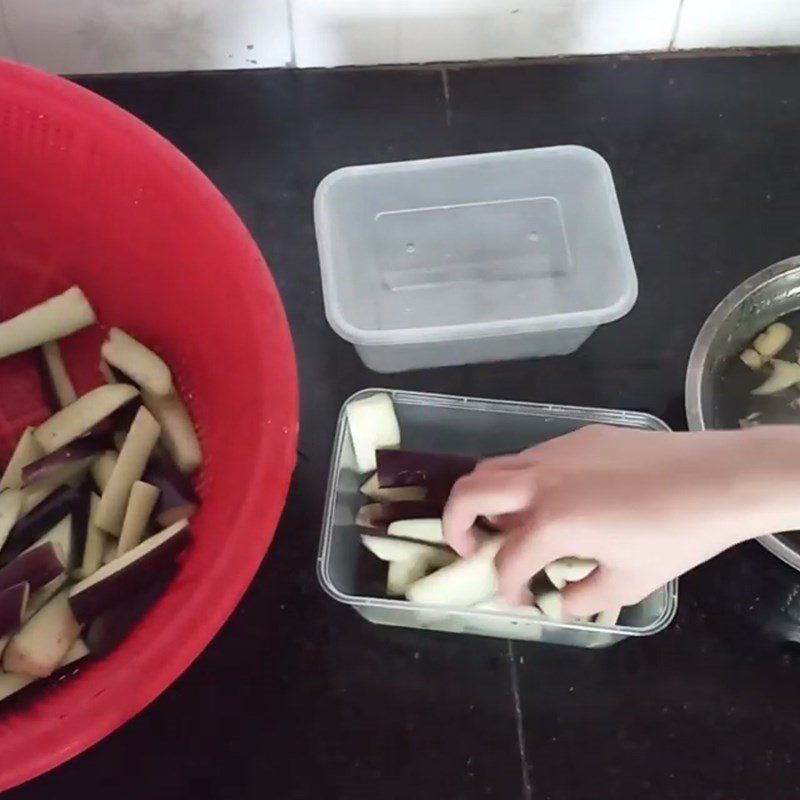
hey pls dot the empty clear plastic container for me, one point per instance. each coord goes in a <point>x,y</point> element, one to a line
<point>472,258</point>
<point>465,425</point>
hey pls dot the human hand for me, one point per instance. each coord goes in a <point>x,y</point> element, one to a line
<point>647,506</point>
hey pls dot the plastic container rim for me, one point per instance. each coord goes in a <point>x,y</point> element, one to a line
<point>585,413</point>
<point>590,317</point>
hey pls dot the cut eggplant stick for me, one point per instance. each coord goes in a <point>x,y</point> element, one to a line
<point>12,607</point>
<point>57,375</point>
<point>37,566</point>
<point>390,512</point>
<point>751,358</point>
<point>178,433</point>
<point>568,570</point>
<point>373,490</point>
<point>81,416</point>
<point>107,372</point>
<point>113,582</point>
<point>85,447</point>
<point>373,425</point>
<point>402,574</point>
<point>551,604</point>
<point>769,343</point>
<point>53,319</point>
<point>11,682</point>
<point>95,542</point>
<point>78,650</point>
<point>387,548</point>
<point>35,495</point>
<point>26,451</point>
<point>41,597</point>
<point>784,375</point>
<point>61,536</point>
<point>138,362</point>
<point>41,520</point>
<point>130,467</point>
<point>423,530</point>
<point>102,468</point>
<point>436,472</point>
<point>109,629</point>
<point>44,640</point>
<point>10,507</point>
<point>141,503</point>
<point>367,515</point>
<point>109,550</point>
<point>177,498</point>
<point>462,583</point>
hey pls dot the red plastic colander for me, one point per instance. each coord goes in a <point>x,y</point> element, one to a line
<point>91,196</point>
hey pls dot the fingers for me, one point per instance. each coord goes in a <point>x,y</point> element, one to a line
<point>599,592</point>
<point>515,461</point>
<point>523,555</point>
<point>488,494</point>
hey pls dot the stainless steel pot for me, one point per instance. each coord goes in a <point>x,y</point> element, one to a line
<point>748,309</point>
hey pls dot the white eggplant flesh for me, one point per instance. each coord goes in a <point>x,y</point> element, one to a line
<point>10,508</point>
<point>55,318</point>
<point>568,570</point>
<point>373,424</point>
<point>372,489</point>
<point>785,374</point>
<point>423,530</point>
<point>43,641</point>
<point>26,452</point>
<point>146,368</point>
<point>462,583</point>
<point>82,415</point>
<point>769,343</point>
<point>388,548</point>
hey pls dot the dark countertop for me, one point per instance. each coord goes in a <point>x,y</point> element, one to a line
<point>298,697</point>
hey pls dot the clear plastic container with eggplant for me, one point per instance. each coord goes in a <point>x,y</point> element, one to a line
<point>352,573</point>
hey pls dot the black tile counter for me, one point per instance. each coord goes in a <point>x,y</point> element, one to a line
<point>298,697</point>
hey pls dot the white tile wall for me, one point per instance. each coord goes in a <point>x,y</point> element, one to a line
<point>335,32</point>
<point>85,36</point>
<point>738,23</point>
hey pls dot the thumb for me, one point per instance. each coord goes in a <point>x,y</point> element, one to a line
<point>596,593</point>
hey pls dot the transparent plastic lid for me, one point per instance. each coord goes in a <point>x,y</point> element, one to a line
<point>472,246</point>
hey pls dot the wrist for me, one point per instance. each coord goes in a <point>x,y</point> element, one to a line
<point>766,463</point>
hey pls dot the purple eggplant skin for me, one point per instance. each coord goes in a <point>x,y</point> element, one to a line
<point>177,498</point>
<point>436,472</point>
<point>120,420</point>
<point>106,593</point>
<point>81,449</point>
<point>393,511</point>
<point>48,390</point>
<point>80,526</point>
<point>35,567</point>
<point>12,606</point>
<point>38,522</point>
<point>110,628</point>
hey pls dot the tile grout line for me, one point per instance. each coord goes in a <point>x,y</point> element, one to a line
<point>6,28</point>
<point>290,26</point>
<point>674,36</point>
<point>527,787</point>
<point>446,91</point>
